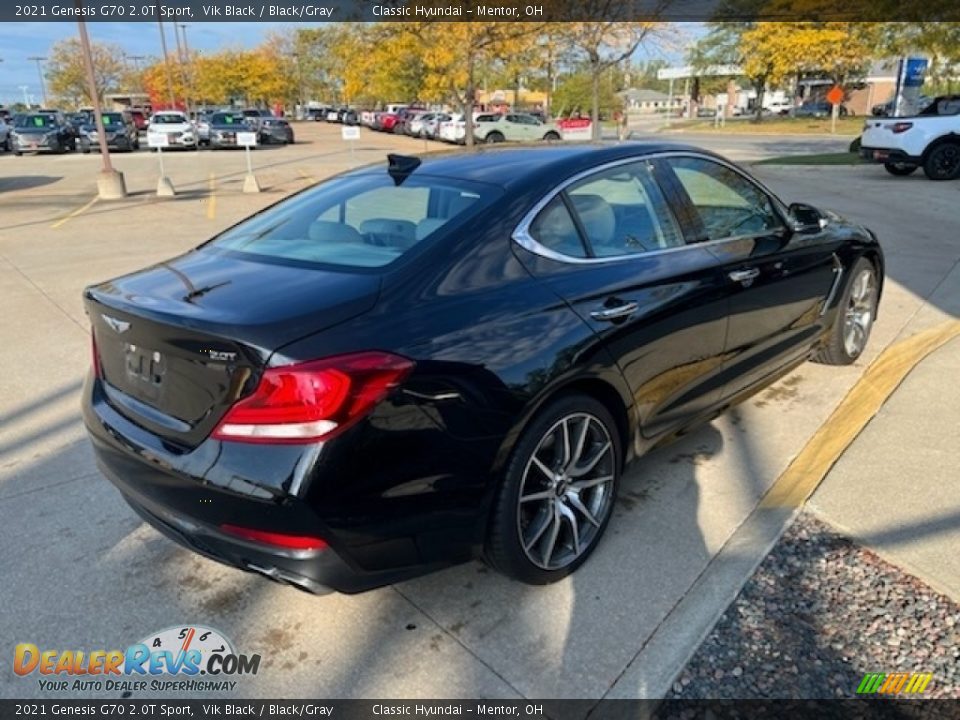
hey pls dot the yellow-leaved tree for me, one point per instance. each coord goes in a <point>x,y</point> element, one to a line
<point>378,63</point>
<point>67,76</point>
<point>454,54</point>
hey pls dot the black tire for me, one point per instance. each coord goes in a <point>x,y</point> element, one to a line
<point>552,136</point>
<point>510,518</point>
<point>17,153</point>
<point>899,169</point>
<point>943,162</point>
<point>837,351</point>
<point>494,137</point>
<point>85,151</point>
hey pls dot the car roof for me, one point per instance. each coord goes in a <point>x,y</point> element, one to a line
<point>517,165</point>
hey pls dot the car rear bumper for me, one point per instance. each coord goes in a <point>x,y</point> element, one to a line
<point>188,495</point>
<point>888,155</point>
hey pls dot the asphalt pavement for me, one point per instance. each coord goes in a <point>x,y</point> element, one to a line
<point>80,570</point>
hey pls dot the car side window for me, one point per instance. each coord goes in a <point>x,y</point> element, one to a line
<point>728,204</point>
<point>622,212</point>
<point>556,230</point>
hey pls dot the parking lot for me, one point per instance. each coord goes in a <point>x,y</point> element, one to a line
<point>81,570</point>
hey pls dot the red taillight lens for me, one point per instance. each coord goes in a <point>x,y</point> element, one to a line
<point>309,401</point>
<point>95,355</point>
<point>900,127</point>
<point>282,540</point>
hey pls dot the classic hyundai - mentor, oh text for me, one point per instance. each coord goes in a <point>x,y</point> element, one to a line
<point>455,356</point>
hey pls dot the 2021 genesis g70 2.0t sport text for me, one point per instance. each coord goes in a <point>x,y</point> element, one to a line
<point>412,365</point>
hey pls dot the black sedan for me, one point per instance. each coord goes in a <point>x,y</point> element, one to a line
<point>409,366</point>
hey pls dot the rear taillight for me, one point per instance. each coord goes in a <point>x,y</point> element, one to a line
<point>280,540</point>
<point>310,401</point>
<point>95,355</point>
<point>900,127</point>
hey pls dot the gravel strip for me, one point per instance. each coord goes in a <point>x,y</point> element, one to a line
<point>818,614</point>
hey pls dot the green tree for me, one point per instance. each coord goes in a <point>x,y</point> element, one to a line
<point>605,45</point>
<point>575,93</point>
<point>938,41</point>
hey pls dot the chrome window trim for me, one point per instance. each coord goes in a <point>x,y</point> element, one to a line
<point>521,234</point>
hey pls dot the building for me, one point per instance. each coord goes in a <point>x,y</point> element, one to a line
<point>645,101</point>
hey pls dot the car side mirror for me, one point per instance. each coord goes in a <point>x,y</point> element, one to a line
<point>806,219</point>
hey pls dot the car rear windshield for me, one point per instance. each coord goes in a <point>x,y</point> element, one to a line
<point>112,119</point>
<point>359,221</point>
<point>227,119</point>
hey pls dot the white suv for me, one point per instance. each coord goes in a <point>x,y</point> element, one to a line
<point>930,140</point>
<point>518,127</point>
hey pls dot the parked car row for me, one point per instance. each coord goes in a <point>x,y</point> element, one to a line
<point>345,115</point>
<point>55,132</point>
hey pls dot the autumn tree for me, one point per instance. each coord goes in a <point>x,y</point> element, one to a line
<point>455,52</point>
<point>768,53</point>
<point>378,63</point>
<point>66,73</point>
<point>312,60</point>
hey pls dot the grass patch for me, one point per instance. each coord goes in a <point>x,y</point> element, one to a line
<point>842,158</point>
<point>775,125</point>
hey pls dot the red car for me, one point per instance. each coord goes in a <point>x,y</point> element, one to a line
<point>141,119</point>
<point>388,121</point>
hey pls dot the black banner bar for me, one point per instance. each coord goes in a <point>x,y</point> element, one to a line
<point>532,11</point>
<point>867,709</point>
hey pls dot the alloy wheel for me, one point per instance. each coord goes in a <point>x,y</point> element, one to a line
<point>946,161</point>
<point>859,313</point>
<point>566,491</point>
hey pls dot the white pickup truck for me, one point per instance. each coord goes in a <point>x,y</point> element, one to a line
<point>930,140</point>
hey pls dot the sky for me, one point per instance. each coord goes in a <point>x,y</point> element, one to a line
<point>20,40</point>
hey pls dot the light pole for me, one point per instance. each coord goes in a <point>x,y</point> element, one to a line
<point>166,62</point>
<point>110,183</point>
<point>183,69</point>
<point>299,60</point>
<point>187,64</point>
<point>43,85</point>
<point>26,101</point>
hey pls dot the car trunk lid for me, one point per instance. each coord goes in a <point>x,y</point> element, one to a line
<point>179,342</point>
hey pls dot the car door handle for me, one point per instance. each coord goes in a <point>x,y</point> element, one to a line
<point>615,313</point>
<point>744,275</point>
